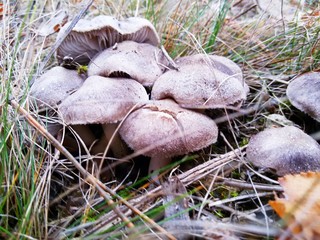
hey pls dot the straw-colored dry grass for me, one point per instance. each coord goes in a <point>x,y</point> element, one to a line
<point>42,197</point>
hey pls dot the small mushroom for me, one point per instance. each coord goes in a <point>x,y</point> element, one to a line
<point>202,81</point>
<point>162,130</point>
<point>89,37</point>
<point>140,61</point>
<point>103,101</point>
<point>54,86</point>
<point>287,150</point>
<point>304,93</point>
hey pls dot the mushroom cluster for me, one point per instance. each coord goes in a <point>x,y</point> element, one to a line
<point>124,65</point>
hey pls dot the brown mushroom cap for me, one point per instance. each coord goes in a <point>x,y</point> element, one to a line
<point>140,61</point>
<point>167,129</point>
<point>288,150</point>
<point>102,100</point>
<point>203,81</point>
<point>54,86</point>
<point>89,37</point>
<point>304,93</point>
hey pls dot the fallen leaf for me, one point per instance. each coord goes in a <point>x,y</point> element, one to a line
<point>54,24</point>
<point>300,209</point>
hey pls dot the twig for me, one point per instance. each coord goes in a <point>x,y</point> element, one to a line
<point>102,189</point>
<point>91,179</point>
<point>244,185</point>
<point>64,35</point>
<point>166,54</point>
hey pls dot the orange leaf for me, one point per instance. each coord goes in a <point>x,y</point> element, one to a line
<point>300,210</point>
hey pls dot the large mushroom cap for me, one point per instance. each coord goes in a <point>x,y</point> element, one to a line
<point>304,93</point>
<point>288,150</point>
<point>140,61</point>
<point>89,37</point>
<point>54,86</point>
<point>167,130</point>
<point>102,100</point>
<point>203,81</point>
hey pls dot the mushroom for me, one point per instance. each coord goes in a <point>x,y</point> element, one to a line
<point>88,38</point>
<point>140,61</point>
<point>202,81</point>
<point>161,130</point>
<point>54,86</point>
<point>103,101</point>
<point>304,93</point>
<point>50,90</point>
<point>287,150</point>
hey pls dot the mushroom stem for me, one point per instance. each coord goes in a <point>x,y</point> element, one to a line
<point>117,146</point>
<point>156,163</point>
<point>85,134</point>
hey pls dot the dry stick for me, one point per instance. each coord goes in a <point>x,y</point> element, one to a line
<point>64,35</point>
<point>64,151</point>
<point>102,189</point>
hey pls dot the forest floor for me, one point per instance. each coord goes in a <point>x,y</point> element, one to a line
<point>218,194</point>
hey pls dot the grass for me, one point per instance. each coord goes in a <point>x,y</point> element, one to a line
<point>270,52</point>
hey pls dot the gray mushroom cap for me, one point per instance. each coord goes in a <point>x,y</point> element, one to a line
<point>304,93</point>
<point>54,86</point>
<point>203,81</point>
<point>102,100</point>
<point>140,61</point>
<point>288,150</point>
<point>165,130</point>
<point>89,37</point>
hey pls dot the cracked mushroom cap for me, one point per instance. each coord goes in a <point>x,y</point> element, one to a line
<point>203,81</point>
<point>163,128</point>
<point>89,37</point>
<point>140,61</point>
<point>304,93</point>
<point>288,150</point>
<point>102,100</point>
<point>54,86</point>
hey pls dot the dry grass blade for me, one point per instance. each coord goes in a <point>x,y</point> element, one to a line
<point>91,179</point>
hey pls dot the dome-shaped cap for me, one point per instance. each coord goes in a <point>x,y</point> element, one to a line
<point>220,63</point>
<point>54,86</point>
<point>140,61</point>
<point>168,129</point>
<point>89,37</point>
<point>203,81</point>
<point>102,100</point>
<point>304,93</point>
<point>288,150</point>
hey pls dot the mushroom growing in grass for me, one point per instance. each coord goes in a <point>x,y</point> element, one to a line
<point>161,130</point>
<point>287,150</point>
<point>103,101</point>
<point>54,86</point>
<point>140,61</point>
<point>304,93</point>
<point>89,37</point>
<point>202,81</point>
<point>48,91</point>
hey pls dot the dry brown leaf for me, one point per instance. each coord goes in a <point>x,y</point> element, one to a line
<point>58,20</point>
<point>300,209</point>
